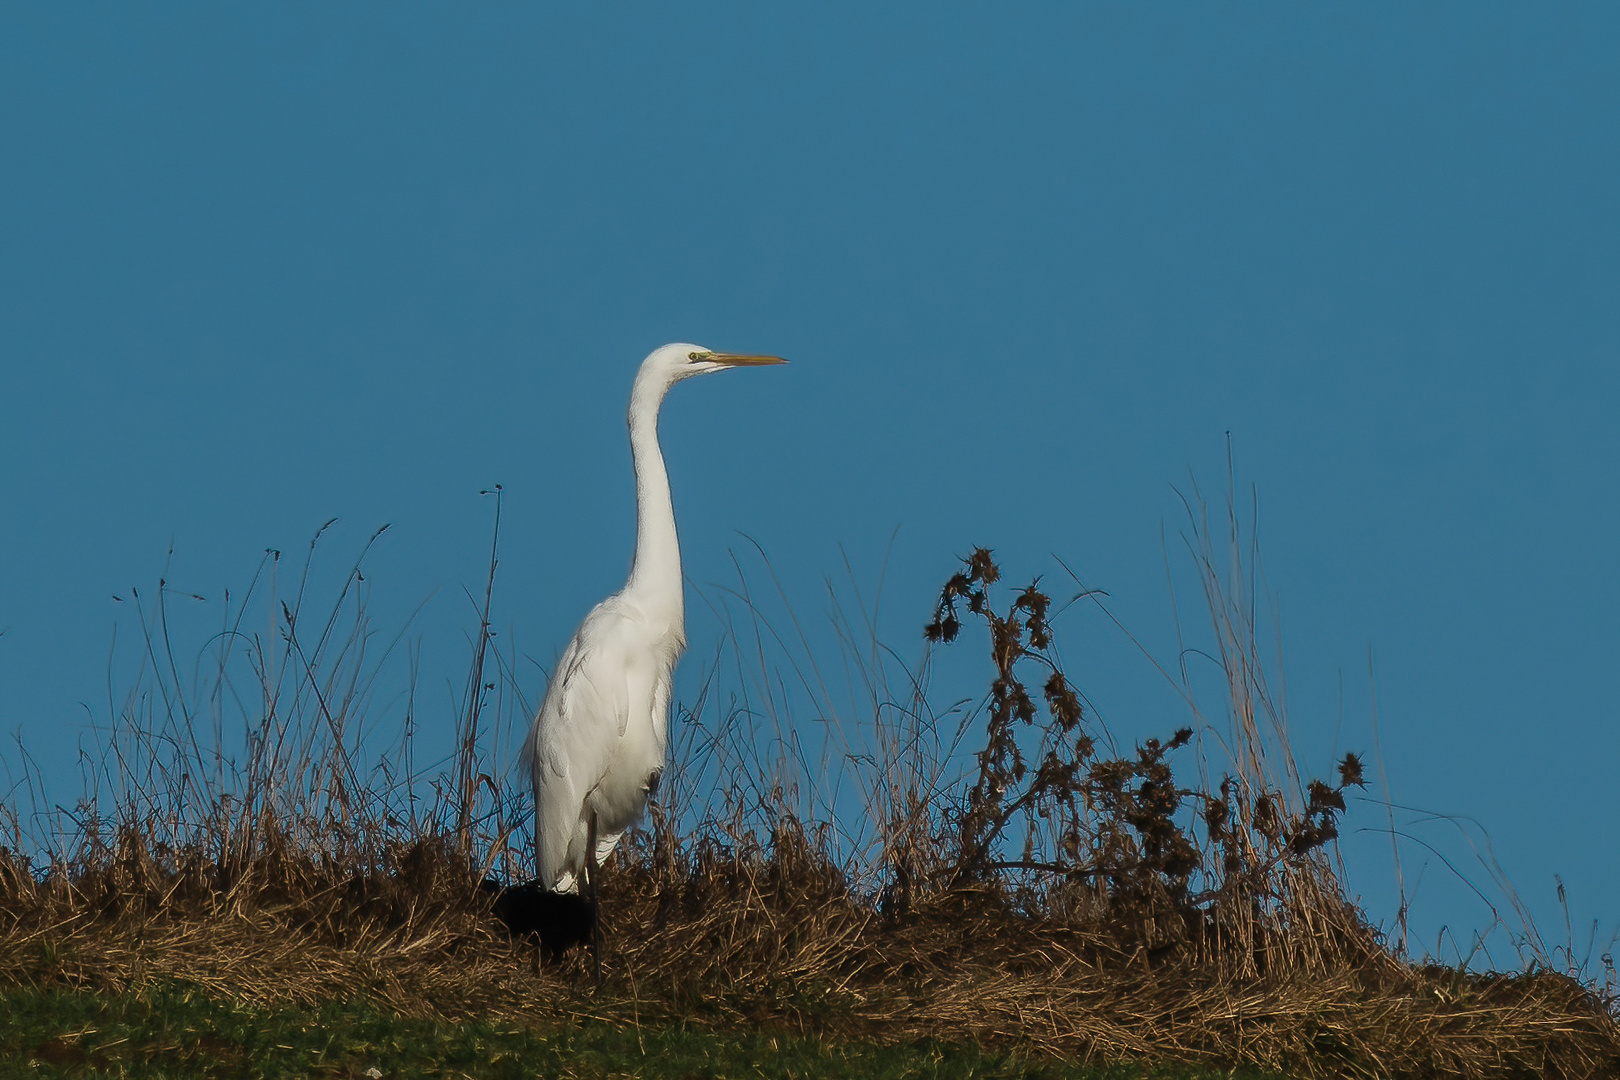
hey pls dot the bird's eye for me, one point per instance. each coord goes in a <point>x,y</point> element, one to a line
<point>694,357</point>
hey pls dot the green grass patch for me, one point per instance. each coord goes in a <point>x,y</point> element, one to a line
<point>179,1031</point>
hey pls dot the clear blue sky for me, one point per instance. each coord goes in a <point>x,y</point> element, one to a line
<point>262,266</point>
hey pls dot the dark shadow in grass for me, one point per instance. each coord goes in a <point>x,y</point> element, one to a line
<point>561,920</point>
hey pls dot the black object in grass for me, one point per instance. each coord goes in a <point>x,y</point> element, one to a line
<point>561,920</point>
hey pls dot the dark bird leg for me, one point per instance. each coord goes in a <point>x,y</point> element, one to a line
<point>593,894</point>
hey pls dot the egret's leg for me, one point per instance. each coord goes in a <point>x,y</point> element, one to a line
<point>592,870</point>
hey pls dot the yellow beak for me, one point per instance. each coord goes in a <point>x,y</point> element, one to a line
<point>742,360</point>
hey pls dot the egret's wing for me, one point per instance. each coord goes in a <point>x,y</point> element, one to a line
<point>574,740</point>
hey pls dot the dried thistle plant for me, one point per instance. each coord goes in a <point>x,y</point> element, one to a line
<point>1121,825</point>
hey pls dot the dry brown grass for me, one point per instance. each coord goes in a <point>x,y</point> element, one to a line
<point>1129,927</point>
<point>770,936</point>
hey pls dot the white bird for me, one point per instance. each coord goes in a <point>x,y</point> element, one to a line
<point>597,745</point>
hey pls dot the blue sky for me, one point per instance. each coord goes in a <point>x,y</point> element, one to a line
<point>261,267</point>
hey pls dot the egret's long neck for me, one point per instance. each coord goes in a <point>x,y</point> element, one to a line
<point>655,576</point>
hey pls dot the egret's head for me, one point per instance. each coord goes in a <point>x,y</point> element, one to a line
<point>682,360</point>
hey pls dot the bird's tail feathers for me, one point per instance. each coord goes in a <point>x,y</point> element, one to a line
<point>605,845</point>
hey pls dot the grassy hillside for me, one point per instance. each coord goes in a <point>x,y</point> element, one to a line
<point>1004,894</point>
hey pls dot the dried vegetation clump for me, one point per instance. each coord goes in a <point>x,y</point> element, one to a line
<point>1052,895</point>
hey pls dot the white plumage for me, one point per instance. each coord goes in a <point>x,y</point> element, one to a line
<point>597,744</point>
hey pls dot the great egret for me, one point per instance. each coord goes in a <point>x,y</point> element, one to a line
<point>597,745</point>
